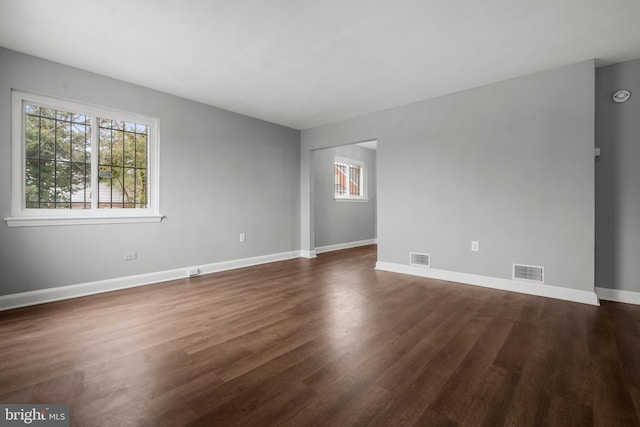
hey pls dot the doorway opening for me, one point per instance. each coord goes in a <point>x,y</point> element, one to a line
<point>345,196</point>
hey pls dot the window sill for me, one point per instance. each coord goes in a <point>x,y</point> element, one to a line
<point>34,221</point>
<point>350,199</point>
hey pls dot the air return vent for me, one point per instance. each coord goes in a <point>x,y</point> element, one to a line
<point>423,260</point>
<point>530,273</point>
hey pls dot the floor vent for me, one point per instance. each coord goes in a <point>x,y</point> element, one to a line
<point>423,260</point>
<point>529,273</point>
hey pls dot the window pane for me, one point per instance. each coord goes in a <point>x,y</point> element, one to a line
<point>80,142</point>
<point>354,180</point>
<point>117,148</point>
<point>104,123</point>
<point>141,188</point>
<point>104,189</point>
<point>105,146</point>
<point>129,188</point>
<point>63,141</point>
<point>141,151</point>
<point>63,115</point>
<point>47,112</point>
<point>32,189</point>
<point>129,148</point>
<point>32,136</point>
<point>63,183</point>
<point>51,143</point>
<point>117,185</point>
<point>47,181</point>
<point>80,118</point>
<point>123,151</point>
<point>111,188</point>
<point>340,179</point>
<point>81,183</point>
<point>88,189</point>
<point>47,138</point>
<point>32,109</point>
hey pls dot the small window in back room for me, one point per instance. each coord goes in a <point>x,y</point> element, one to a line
<point>349,179</point>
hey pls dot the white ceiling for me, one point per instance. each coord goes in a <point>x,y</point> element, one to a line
<point>302,63</point>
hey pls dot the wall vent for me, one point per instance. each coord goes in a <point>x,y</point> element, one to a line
<point>423,260</point>
<point>529,273</point>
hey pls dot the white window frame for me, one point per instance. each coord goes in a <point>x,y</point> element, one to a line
<point>22,216</point>
<point>363,181</point>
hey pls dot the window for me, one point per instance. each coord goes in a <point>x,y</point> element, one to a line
<point>75,163</point>
<point>349,179</point>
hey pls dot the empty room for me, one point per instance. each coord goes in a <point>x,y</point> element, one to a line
<point>372,213</point>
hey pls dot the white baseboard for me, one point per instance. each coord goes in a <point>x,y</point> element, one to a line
<point>585,297</point>
<point>308,254</point>
<point>41,296</point>
<point>339,246</point>
<point>616,295</point>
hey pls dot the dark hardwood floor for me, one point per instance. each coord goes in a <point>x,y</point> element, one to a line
<point>328,341</point>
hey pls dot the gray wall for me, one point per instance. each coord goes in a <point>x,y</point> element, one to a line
<point>509,164</point>
<point>618,178</point>
<point>221,174</point>
<point>343,221</point>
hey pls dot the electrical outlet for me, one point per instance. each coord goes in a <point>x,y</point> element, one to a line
<point>130,256</point>
<point>243,238</point>
<point>475,246</point>
<point>193,271</point>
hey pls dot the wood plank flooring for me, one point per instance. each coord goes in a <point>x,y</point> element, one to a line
<point>329,342</point>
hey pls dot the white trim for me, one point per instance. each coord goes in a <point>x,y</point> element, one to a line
<point>347,245</point>
<point>349,199</point>
<point>44,221</point>
<point>307,254</point>
<point>17,154</point>
<point>617,295</point>
<point>575,295</point>
<point>41,296</point>
<point>73,216</point>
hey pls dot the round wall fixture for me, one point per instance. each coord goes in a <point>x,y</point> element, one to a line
<point>621,96</point>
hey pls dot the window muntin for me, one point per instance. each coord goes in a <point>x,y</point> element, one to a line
<point>59,155</point>
<point>349,179</point>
